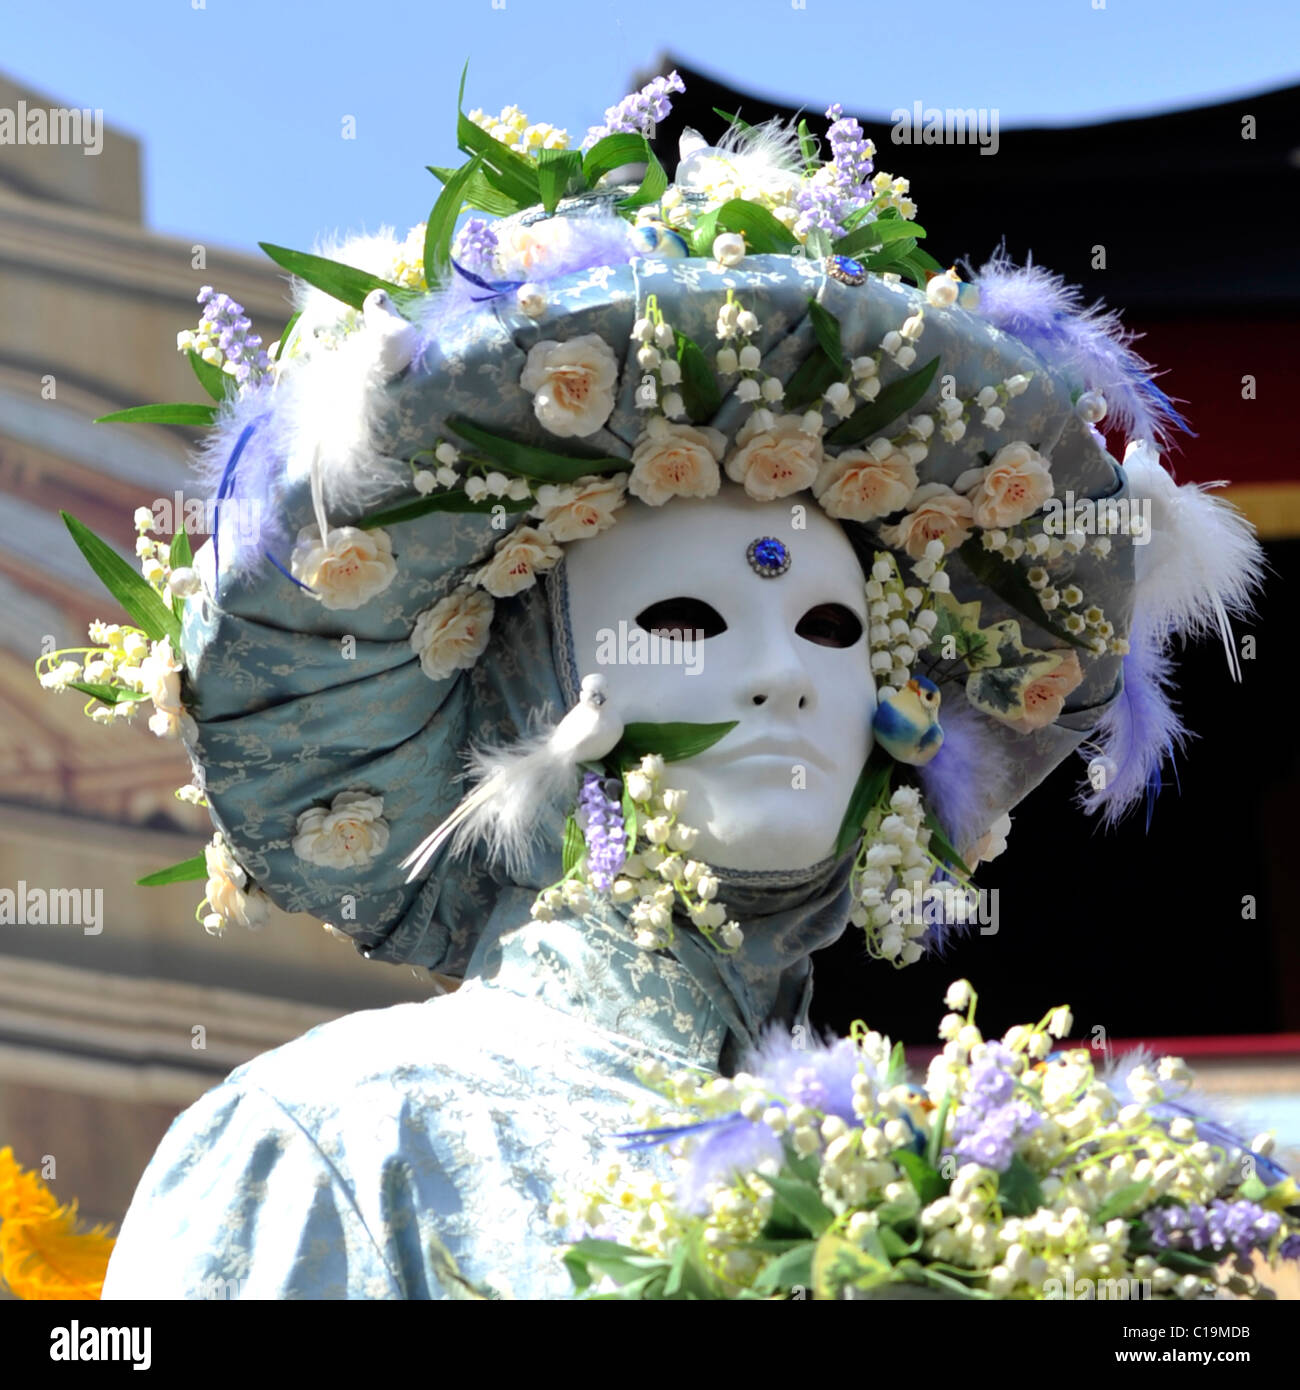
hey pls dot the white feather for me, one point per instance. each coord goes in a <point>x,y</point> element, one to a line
<point>332,397</point>
<point>516,784</point>
<point>1202,564</point>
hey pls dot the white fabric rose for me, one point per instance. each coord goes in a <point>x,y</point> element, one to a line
<point>227,893</point>
<point>347,834</point>
<point>572,383</point>
<point>777,460</point>
<point>517,560</point>
<point>453,633</point>
<point>675,461</point>
<point>572,511</point>
<point>349,570</point>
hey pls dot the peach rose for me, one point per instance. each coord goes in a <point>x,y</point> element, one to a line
<point>516,561</point>
<point>936,513</point>
<point>776,461</point>
<point>572,383</point>
<point>1015,485</point>
<point>857,486</point>
<point>346,835</point>
<point>349,570</point>
<point>532,251</point>
<point>573,511</point>
<point>452,635</point>
<point>1044,698</point>
<point>675,461</point>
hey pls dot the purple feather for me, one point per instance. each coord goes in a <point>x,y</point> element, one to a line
<point>250,516</point>
<point>1089,346</point>
<point>956,780</point>
<point>1139,730</point>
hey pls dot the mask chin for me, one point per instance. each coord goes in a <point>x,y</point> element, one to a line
<point>785,658</point>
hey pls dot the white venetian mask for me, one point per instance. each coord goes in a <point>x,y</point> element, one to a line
<point>786,656</point>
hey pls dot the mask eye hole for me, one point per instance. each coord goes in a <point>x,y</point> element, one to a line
<point>830,625</point>
<point>682,619</point>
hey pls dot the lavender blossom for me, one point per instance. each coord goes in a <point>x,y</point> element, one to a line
<point>840,187</point>
<point>475,247</point>
<point>639,112</point>
<point>1239,1226</point>
<point>989,1124</point>
<point>600,816</point>
<point>226,328</point>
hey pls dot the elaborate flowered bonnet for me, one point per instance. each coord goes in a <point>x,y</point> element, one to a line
<point>393,485</point>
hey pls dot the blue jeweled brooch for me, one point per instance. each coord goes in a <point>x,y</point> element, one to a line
<point>846,270</point>
<point>768,557</point>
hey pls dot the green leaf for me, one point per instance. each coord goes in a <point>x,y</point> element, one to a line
<point>827,328</point>
<point>839,1264</point>
<point>699,387</point>
<point>530,462</point>
<point>732,120</point>
<point>1019,1190</point>
<point>762,232</point>
<point>211,378</point>
<point>575,845</point>
<point>943,846</point>
<point>506,170</point>
<point>439,502</point>
<point>620,1262</point>
<point>817,243</point>
<point>479,193</point>
<point>791,1270</point>
<point>145,606</point>
<point>557,172</point>
<point>1118,1203</point>
<point>1010,583</point>
<point>896,1246</point>
<point>179,557</point>
<point>954,1286</point>
<point>286,335</point>
<point>816,372</point>
<point>673,742</point>
<point>888,257</point>
<point>441,226</point>
<point>613,152</point>
<point>1184,1262</point>
<point>895,399</point>
<point>107,694</point>
<point>652,184</point>
<point>802,1201</point>
<point>935,1144</point>
<point>180,554</point>
<point>807,146</point>
<point>878,233</point>
<point>175,413</point>
<point>187,871</point>
<point>925,1177</point>
<point>872,784</point>
<point>629,820</point>
<point>896,1072</point>
<point>343,282</point>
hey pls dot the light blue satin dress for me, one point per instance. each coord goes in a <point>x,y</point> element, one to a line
<point>414,1151</point>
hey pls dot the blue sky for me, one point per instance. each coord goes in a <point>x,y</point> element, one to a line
<point>240,104</point>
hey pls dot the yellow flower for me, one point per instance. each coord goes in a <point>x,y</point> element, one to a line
<point>43,1255</point>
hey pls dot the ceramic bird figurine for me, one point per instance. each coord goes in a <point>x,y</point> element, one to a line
<point>395,338</point>
<point>658,239</point>
<point>906,722</point>
<point>515,783</point>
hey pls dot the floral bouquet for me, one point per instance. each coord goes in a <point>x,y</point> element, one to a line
<point>1015,1171</point>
